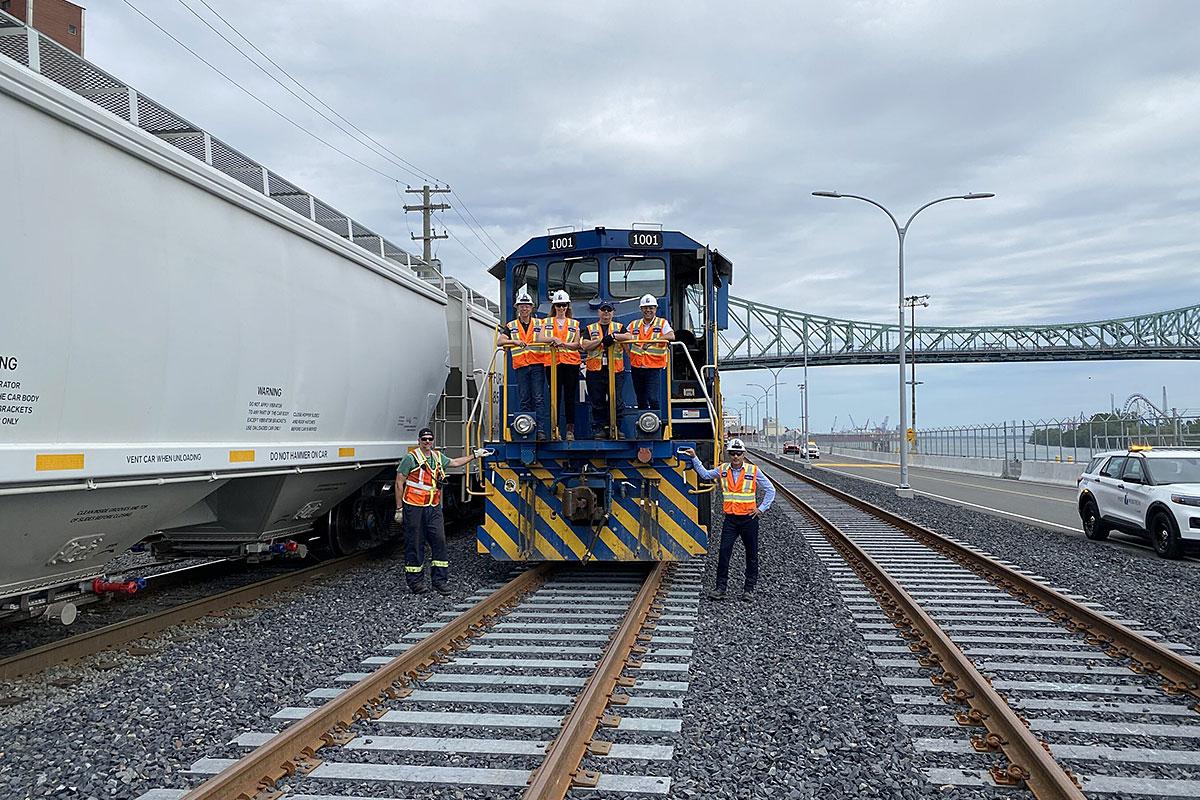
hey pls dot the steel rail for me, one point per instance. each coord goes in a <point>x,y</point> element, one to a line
<point>95,641</point>
<point>560,770</point>
<point>1029,760</point>
<point>293,750</point>
<point>1180,675</point>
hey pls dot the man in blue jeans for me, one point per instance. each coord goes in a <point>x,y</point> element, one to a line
<point>530,359</point>
<point>739,485</point>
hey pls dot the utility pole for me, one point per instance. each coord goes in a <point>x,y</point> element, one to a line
<point>912,301</point>
<point>428,235</point>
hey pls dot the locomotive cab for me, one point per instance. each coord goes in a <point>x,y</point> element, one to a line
<point>624,496</point>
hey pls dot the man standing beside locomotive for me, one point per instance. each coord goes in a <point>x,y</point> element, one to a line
<point>739,485</point>
<point>530,361</point>
<point>604,357</point>
<point>649,337</point>
<point>419,506</point>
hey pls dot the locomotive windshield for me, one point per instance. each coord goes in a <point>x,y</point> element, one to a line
<point>634,277</point>
<point>580,277</point>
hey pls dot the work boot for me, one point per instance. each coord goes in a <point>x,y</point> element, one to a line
<point>748,595</point>
<point>441,588</point>
<point>716,594</point>
<point>419,588</point>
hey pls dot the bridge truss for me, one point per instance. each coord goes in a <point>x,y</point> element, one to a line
<point>761,336</point>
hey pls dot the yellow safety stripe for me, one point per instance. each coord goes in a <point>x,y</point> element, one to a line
<point>747,486</point>
<point>440,563</point>
<point>528,345</point>
<point>595,358</point>
<point>414,569</point>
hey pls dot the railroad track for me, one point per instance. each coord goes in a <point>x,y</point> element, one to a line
<point>1003,679</point>
<point>537,687</point>
<point>98,640</point>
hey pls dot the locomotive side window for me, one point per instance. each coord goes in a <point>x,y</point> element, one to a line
<point>525,274</point>
<point>634,277</point>
<point>580,277</point>
<point>693,309</point>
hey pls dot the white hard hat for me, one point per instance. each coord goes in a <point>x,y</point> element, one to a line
<point>560,297</point>
<point>648,300</point>
<point>523,297</point>
<point>735,446</point>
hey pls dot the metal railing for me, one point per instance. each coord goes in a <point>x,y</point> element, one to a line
<point>36,52</point>
<point>1071,439</point>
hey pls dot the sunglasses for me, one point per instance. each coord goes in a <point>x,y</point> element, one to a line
<point>562,305</point>
<point>426,438</point>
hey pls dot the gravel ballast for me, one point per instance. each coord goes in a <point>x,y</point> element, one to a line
<point>121,731</point>
<point>784,699</point>
<point>1131,581</point>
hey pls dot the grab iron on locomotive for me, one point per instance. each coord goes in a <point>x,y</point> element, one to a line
<point>601,480</point>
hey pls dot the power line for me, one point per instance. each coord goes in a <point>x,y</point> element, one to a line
<point>463,245</point>
<point>499,251</point>
<point>254,97</point>
<point>386,153</point>
<point>395,179</point>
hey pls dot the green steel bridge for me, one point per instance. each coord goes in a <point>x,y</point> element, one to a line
<point>761,336</point>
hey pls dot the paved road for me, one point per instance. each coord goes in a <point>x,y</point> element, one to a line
<point>1039,504</point>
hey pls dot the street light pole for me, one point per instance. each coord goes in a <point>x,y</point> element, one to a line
<point>804,396</point>
<point>904,490</point>
<point>912,301</point>
<point>766,394</point>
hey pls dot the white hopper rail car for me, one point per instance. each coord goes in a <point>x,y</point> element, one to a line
<point>193,350</point>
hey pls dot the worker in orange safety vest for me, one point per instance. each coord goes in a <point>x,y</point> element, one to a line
<point>739,485</point>
<point>648,345</point>
<point>419,478</point>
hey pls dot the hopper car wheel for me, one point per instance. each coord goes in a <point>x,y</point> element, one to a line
<point>341,538</point>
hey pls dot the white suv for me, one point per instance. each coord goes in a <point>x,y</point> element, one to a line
<point>1152,492</point>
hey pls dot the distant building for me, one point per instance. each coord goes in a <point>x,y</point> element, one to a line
<point>59,20</point>
<point>771,427</point>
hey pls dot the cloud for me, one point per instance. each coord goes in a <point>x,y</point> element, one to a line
<point>1081,116</point>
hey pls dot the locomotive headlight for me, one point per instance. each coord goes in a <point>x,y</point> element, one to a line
<point>524,424</point>
<point>649,422</point>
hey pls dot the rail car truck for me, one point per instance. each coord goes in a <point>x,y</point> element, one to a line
<point>623,498</point>
<point>193,350</point>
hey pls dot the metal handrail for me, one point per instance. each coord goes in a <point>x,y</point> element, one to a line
<point>712,413</point>
<point>475,420</point>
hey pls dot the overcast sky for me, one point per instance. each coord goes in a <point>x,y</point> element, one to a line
<point>1083,118</point>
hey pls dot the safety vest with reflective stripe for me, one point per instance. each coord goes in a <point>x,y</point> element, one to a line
<point>530,351</point>
<point>740,493</point>
<point>595,359</point>
<point>421,485</point>
<point>648,348</point>
<point>565,330</point>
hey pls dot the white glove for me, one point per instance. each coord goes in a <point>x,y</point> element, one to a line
<point>399,515</point>
<point>480,452</point>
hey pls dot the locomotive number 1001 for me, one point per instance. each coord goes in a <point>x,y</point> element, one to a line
<point>645,239</point>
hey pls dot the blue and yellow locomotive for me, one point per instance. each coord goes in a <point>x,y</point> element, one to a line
<point>617,493</point>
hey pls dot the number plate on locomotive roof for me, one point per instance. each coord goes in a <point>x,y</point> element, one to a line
<point>561,241</point>
<point>652,239</point>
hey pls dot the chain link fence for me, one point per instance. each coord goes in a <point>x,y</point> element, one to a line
<point>1072,439</point>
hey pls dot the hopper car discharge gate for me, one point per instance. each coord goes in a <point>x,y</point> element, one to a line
<point>628,497</point>
<point>172,245</point>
